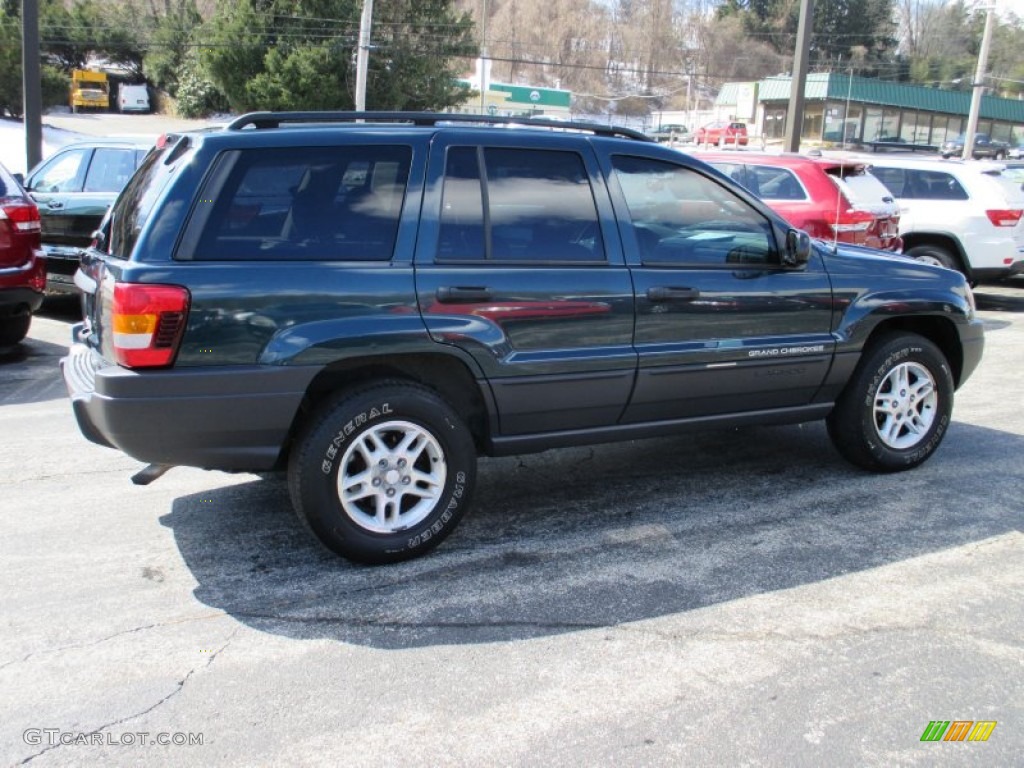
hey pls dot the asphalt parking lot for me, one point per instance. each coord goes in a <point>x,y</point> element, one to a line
<point>741,597</point>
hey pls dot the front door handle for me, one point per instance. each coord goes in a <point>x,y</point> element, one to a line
<point>459,294</point>
<point>671,293</point>
<point>54,205</point>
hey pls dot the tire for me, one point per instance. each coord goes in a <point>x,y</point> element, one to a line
<point>413,493</point>
<point>895,410</point>
<point>1000,155</point>
<point>14,329</point>
<point>934,254</point>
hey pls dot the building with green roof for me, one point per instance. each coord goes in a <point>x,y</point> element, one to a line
<point>841,108</point>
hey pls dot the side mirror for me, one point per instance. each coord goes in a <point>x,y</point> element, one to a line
<point>20,178</point>
<point>798,248</point>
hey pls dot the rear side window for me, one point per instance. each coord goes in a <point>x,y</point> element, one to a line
<point>301,203</point>
<point>776,183</point>
<point>135,204</point>
<point>110,169</point>
<point>526,205</point>
<point>918,184</point>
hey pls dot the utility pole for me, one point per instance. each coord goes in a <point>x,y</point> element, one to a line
<point>31,87</point>
<point>795,113</point>
<point>363,55</point>
<point>979,86</point>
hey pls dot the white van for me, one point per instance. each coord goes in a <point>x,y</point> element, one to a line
<point>132,98</point>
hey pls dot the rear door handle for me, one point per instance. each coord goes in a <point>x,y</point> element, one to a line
<point>457,294</point>
<point>55,205</point>
<point>671,293</point>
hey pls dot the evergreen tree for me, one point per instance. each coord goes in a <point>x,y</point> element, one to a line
<point>300,54</point>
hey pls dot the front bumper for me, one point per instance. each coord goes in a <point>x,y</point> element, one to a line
<point>972,344</point>
<point>224,417</point>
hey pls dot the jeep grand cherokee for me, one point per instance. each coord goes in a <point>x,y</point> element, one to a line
<point>374,300</point>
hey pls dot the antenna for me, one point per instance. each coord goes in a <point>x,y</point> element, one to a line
<point>839,189</point>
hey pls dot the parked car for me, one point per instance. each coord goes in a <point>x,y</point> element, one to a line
<point>73,189</point>
<point>374,304</point>
<point>1016,151</point>
<point>723,134</point>
<point>831,199</point>
<point>670,133</point>
<point>21,268</point>
<point>961,215</point>
<point>984,146</point>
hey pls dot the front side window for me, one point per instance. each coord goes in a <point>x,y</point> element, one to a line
<point>682,217</point>
<point>62,174</point>
<point>302,203</point>
<point>508,204</point>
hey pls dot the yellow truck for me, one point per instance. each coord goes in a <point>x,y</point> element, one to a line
<point>89,90</point>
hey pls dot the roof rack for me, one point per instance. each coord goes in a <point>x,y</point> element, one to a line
<point>275,119</point>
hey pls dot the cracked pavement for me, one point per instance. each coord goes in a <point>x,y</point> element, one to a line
<point>741,597</point>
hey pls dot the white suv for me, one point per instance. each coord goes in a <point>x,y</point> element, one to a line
<point>958,214</point>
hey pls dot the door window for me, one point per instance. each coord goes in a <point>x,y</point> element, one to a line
<point>680,216</point>
<point>518,205</point>
<point>109,169</point>
<point>61,174</point>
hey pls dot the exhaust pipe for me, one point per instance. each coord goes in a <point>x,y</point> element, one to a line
<point>150,473</point>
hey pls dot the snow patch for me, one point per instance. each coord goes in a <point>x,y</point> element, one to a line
<point>12,143</point>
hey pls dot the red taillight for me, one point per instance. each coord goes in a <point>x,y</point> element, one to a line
<point>24,217</point>
<point>148,322</point>
<point>1004,217</point>
<point>852,220</point>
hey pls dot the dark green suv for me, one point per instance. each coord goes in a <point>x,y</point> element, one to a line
<point>73,189</point>
<point>374,300</point>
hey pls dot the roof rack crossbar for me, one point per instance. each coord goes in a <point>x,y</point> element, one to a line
<point>276,119</point>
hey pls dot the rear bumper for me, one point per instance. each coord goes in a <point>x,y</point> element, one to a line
<point>61,264</point>
<point>229,417</point>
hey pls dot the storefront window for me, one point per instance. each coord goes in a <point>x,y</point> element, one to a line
<point>1001,132</point>
<point>814,116</point>
<point>774,123</point>
<point>915,127</point>
<point>872,124</point>
<point>842,123</point>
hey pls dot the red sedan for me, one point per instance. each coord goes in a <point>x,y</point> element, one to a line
<point>830,198</point>
<point>723,134</point>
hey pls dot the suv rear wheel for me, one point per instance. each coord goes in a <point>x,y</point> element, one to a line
<point>894,412</point>
<point>384,473</point>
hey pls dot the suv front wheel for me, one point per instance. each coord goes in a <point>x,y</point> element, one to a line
<point>894,412</point>
<point>383,473</point>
